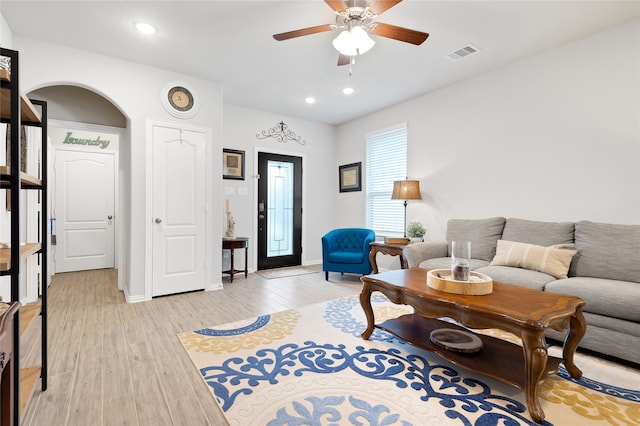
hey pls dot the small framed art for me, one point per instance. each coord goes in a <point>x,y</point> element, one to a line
<point>351,177</point>
<point>232,164</point>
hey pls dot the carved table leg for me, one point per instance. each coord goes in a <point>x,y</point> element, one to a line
<point>535,362</point>
<point>577,328</point>
<point>232,266</point>
<point>372,259</point>
<point>246,259</point>
<point>365,302</point>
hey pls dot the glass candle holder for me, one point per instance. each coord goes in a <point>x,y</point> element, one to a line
<point>460,256</point>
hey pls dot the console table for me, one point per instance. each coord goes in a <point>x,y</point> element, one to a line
<point>232,244</point>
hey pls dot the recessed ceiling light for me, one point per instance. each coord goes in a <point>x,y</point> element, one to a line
<point>310,100</point>
<point>347,90</point>
<point>145,28</point>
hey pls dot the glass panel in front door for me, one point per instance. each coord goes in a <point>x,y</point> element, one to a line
<point>280,205</point>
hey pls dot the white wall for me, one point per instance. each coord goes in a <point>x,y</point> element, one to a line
<point>553,137</point>
<point>6,37</point>
<point>319,175</point>
<point>135,89</point>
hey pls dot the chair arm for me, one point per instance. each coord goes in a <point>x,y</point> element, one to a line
<point>415,253</point>
<point>366,244</point>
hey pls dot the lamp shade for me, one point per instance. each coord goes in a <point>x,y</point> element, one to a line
<point>354,41</point>
<point>406,190</point>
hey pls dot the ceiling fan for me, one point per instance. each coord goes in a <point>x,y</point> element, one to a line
<point>356,18</point>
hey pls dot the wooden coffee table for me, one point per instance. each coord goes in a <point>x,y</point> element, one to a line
<point>524,312</point>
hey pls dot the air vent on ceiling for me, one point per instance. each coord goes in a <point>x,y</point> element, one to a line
<point>463,52</point>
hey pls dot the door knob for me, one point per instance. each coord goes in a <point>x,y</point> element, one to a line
<point>109,217</point>
<point>158,220</point>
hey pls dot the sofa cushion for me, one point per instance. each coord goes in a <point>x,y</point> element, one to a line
<point>445,263</point>
<point>553,260</point>
<point>617,299</point>
<point>517,276</point>
<point>607,251</point>
<point>483,234</point>
<point>347,256</point>
<point>539,233</point>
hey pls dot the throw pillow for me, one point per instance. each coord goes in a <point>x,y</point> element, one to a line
<point>553,260</point>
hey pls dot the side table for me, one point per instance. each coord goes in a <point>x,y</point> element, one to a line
<point>384,248</point>
<point>232,244</point>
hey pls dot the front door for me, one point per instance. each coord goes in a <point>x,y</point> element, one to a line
<point>178,209</point>
<point>84,210</point>
<point>279,210</point>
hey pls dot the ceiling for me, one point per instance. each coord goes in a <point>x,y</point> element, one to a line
<point>231,42</point>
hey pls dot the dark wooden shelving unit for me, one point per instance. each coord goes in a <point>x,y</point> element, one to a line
<point>17,110</point>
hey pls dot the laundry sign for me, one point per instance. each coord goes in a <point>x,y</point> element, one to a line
<point>84,137</point>
<point>97,142</point>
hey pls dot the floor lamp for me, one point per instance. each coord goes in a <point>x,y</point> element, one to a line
<point>406,190</point>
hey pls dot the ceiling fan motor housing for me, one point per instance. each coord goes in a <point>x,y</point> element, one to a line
<point>357,4</point>
<point>357,14</point>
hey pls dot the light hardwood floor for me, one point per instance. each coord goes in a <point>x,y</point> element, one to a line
<point>116,363</point>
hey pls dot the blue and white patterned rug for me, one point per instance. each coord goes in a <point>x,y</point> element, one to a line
<point>310,367</point>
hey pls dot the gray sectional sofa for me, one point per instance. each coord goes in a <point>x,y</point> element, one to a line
<point>598,262</point>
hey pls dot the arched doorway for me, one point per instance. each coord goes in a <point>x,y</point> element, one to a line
<point>84,109</point>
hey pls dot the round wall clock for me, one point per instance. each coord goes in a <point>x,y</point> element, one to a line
<point>179,100</point>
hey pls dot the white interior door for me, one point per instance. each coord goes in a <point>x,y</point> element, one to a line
<point>178,209</point>
<point>84,210</point>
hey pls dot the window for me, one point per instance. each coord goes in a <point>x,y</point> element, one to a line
<point>386,163</point>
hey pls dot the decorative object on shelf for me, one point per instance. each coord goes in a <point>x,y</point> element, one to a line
<point>23,148</point>
<point>456,340</point>
<point>231,223</point>
<point>5,63</point>
<point>179,100</point>
<point>350,177</point>
<point>416,231</point>
<point>232,164</point>
<point>406,190</point>
<point>281,133</point>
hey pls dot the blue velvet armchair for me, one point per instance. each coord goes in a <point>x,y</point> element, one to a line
<point>347,250</point>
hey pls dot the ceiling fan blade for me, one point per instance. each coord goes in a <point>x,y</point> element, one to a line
<point>399,33</point>
<point>343,60</point>
<point>337,5</point>
<point>379,6</point>
<point>303,32</point>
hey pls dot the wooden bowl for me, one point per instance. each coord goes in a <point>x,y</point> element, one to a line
<point>478,284</point>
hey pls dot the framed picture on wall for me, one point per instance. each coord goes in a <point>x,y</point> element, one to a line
<point>232,164</point>
<point>350,177</point>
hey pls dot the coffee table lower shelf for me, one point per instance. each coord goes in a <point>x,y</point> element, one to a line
<point>498,358</point>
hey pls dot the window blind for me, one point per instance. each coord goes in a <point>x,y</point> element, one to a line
<point>386,163</point>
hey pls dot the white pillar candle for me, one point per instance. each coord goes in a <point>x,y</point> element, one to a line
<point>228,205</point>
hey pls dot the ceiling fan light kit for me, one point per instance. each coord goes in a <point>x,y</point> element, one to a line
<point>353,42</point>
<point>356,20</point>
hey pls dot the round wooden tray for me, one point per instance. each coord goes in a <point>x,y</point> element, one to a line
<point>478,284</point>
<point>456,340</point>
